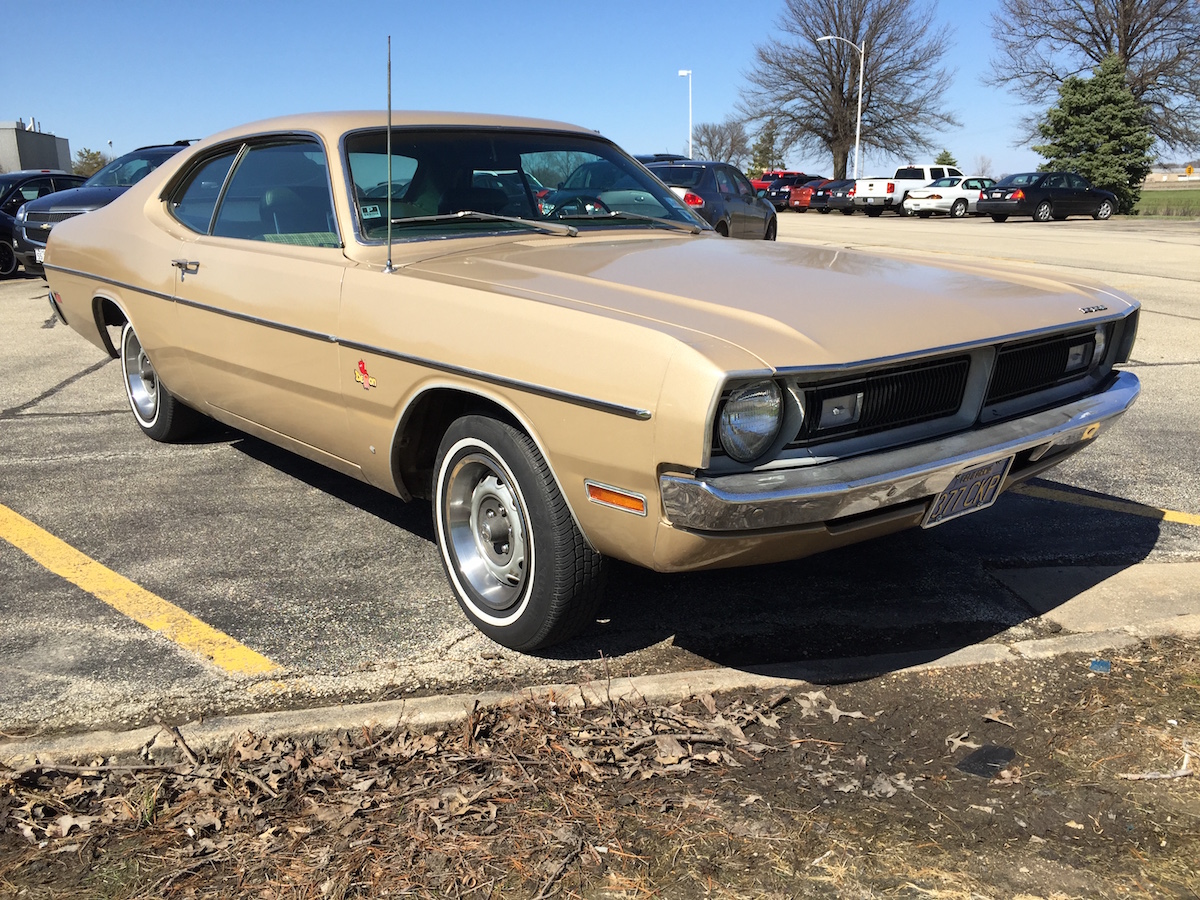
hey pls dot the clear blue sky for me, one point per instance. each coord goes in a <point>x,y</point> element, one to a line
<point>150,71</point>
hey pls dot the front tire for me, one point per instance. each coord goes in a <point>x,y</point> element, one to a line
<point>772,229</point>
<point>1044,212</point>
<point>958,209</point>
<point>8,259</point>
<point>519,566</point>
<point>1105,211</point>
<point>160,415</point>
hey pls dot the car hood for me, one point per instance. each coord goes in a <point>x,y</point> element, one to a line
<point>785,304</point>
<point>80,198</point>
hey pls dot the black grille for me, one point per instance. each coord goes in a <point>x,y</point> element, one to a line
<point>892,398</point>
<point>41,218</point>
<point>1027,368</point>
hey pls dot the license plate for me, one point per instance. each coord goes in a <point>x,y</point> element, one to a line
<point>969,492</point>
<point>39,254</point>
<point>870,199</point>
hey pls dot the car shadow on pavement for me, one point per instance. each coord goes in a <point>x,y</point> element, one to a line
<point>919,593</point>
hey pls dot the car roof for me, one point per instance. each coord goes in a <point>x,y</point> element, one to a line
<point>332,125</point>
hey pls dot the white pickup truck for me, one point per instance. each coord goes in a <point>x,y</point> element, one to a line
<point>874,195</point>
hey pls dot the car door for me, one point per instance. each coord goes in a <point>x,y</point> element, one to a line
<point>1054,186</point>
<point>730,201</point>
<point>1083,201</point>
<point>755,213</point>
<point>258,292</point>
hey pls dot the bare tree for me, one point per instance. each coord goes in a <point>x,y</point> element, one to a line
<point>982,165</point>
<point>1041,43</point>
<point>726,142</point>
<point>811,88</point>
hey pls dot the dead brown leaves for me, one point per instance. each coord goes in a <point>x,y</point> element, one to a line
<point>509,803</point>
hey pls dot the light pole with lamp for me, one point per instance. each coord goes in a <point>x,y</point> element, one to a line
<point>862,59</point>
<point>688,73</point>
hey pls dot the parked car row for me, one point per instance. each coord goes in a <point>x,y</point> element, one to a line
<point>1044,196</point>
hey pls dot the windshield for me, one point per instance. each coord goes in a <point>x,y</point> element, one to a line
<point>533,176</point>
<point>131,168</point>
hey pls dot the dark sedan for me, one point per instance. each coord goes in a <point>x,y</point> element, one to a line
<point>722,196</point>
<point>821,196</point>
<point>16,189</point>
<point>35,219</point>
<point>1046,196</point>
<point>841,198</point>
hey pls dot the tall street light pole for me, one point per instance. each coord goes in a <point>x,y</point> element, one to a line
<point>688,73</point>
<point>862,60</point>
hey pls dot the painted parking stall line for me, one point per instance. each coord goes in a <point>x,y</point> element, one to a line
<point>1121,506</point>
<point>130,599</point>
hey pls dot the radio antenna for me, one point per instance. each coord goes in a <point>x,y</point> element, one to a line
<point>388,268</point>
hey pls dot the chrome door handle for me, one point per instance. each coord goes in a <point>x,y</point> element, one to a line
<point>186,266</point>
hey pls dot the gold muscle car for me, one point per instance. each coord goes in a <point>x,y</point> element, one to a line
<point>514,320</point>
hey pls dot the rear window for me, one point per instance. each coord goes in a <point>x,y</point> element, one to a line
<point>1020,180</point>
<point>683,176</point>
<point>910,172</point>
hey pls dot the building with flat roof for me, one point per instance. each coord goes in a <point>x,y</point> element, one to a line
<point>22,147</point>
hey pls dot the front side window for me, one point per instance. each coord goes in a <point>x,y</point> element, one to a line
<point>463,181</point>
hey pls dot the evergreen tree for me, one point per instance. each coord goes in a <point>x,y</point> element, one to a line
<point>1097,129</point>
<point>946,158</point>
<point>88,161</point>
<point>765,153</point>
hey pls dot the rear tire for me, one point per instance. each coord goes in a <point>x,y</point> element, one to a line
<point>160,415</point>
<point>999,218</point>
<point>722,229</point>
<point>1044,212</point>
<point>519,567</point>
<point>958,209</point>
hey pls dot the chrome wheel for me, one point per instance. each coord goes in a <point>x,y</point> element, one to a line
<point>1043,212</point>
<point>487,529</point>
<point>517,563</point>
<point>1105,211</point>
<point>959,209</point>
<point>141,383</point>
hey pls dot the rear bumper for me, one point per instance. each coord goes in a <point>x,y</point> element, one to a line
<point>822,494</point>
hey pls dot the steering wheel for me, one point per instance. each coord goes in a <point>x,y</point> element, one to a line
<point>582,202</point>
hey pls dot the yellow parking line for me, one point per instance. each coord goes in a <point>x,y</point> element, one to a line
<point>126,597</point>
<point>1121,506</point>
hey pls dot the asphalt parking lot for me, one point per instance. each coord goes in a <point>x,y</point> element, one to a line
<point>286,586</point>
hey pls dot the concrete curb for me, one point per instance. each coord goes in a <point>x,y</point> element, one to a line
<point>154,743</point>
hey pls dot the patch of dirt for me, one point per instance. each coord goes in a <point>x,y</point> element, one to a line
<point>1084,787</point>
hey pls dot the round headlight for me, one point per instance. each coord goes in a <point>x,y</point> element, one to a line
<point>750,420</point>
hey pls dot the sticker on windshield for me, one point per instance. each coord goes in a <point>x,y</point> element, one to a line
<point>370,212</point>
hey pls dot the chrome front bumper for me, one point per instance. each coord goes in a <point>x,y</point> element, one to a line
<point>780,498</point>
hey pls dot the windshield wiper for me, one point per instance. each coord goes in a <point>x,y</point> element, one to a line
<point>470,214</point>
<point>669,223</point>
